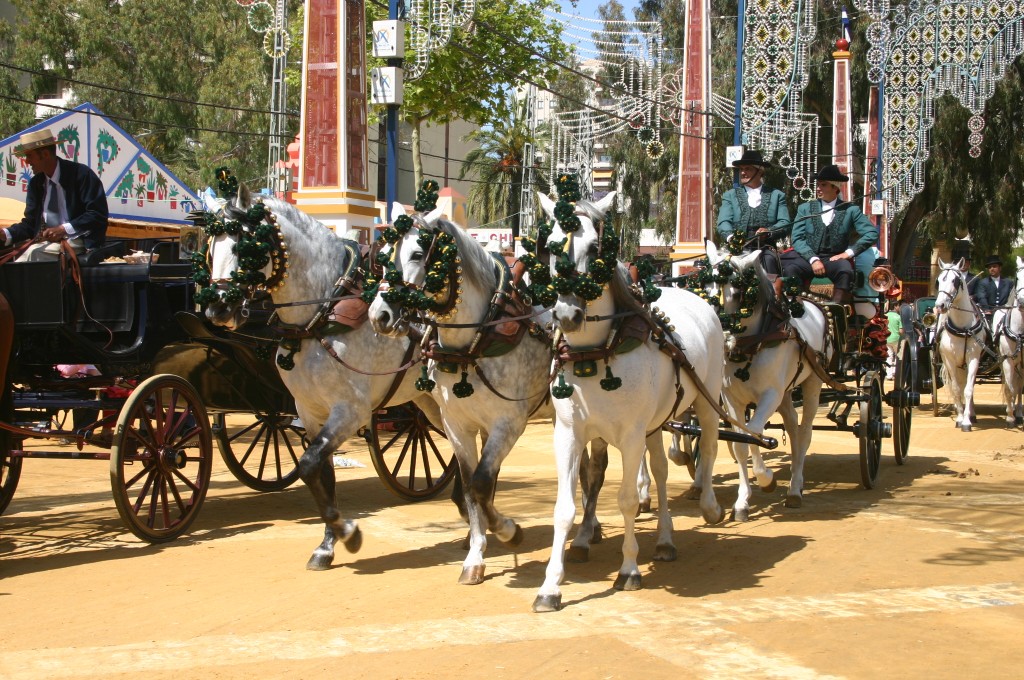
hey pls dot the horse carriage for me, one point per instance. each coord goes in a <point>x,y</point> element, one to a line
<point>847,374</point>
<point>164,374</point>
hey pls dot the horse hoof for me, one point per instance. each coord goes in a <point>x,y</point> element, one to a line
<point>741,515</point>
<point>965,427</point>
<point>320,561</point>
<point>693,493</point>
<point>772,485</point>
<point>665,553</point>
<point>628,582</point>
<point>577,554</point>
<point>794,501</point>
<point>547,603</point>
<point>516,539</point>
<point>354,541</point>
<point>645,506</point>
<point>1019,420</point>
<point>472,576</point>
<point>713,519</point>
<point>597,536</point>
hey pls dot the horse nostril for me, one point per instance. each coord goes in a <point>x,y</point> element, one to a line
<point>577,316</point>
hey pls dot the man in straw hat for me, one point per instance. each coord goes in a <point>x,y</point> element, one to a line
<point>65,200</point>
<point>822,235</point>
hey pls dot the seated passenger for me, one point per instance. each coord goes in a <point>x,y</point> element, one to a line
<point>822,234</point>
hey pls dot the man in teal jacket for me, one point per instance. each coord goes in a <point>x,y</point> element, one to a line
<point>753,208</point>
<point>822,235</point>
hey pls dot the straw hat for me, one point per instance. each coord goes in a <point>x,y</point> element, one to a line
<point>34,140</point>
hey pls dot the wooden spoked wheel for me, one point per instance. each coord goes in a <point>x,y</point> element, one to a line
<point>412,457</point>
<point>871,429</point>
<point>10,468</point>
<point>263,455</point>
<point>162,458</point>
<point>902,413</point>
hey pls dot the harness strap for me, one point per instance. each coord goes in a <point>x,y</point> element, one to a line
<point>407,360</point>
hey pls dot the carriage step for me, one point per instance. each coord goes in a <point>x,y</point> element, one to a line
<point>770,443</point>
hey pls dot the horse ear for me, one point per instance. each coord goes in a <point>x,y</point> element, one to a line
<point>605,202</point>
<point>547,204</point>
<point>431,218</point>
<point>711,250</point>
<point>942,265</point>
<point>961,264</point>
<point>397,210</point>
<point>1020,263</point>
<point>244,198</point>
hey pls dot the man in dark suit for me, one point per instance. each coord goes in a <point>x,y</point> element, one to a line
<point>994,290</point>
<point>65,200</point>
<point>822,234</point>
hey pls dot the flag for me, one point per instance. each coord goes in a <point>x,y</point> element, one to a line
<point>846,26</point>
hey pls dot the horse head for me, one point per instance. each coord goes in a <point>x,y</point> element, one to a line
<point>422,265</point>
<point>950,284</point>
<point>245,258</point>
<point>579,258</point>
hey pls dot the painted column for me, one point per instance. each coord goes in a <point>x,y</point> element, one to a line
<point>842,143</point>
<point>333,169</point>
<point>693,217</point>
<point>871,166</point>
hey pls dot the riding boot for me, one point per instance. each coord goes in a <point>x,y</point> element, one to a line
<point>841,297</point>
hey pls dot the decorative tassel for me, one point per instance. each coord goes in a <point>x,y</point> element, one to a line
<point>743,373</point>
<point>610,383</point>
<point>463,389</point>
<point>423,383</point>
<point>561,390</point>
<point>287,361</point>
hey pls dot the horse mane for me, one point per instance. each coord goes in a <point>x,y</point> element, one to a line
<point>477,263</point>
<point>622,292</point>
<point>765,290</point>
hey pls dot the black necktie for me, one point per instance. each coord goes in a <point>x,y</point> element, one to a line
<point>51,214</point>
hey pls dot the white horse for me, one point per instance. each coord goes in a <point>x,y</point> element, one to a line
<point>961,339</point>
<point>332,400</point>
<point>770,370</point>
<point>481,393</point>
<point>1008,325</point>
<point>653,389</point>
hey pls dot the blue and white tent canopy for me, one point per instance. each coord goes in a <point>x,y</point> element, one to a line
<point>138,186</point>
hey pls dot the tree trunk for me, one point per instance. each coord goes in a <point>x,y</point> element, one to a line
<point>417,162</point>
<point>916,212</point>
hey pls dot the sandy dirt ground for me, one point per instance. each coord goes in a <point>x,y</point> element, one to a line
<point>917,578</point>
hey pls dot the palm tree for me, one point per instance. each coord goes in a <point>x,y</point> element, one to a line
<point>496,166</point>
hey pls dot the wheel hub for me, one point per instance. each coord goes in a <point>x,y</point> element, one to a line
<point>173,458</point>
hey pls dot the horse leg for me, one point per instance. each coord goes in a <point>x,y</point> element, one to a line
<point>665,549</point>
<point>464,444</point>
<point>972,373</point>
<point>568,451</point>
<point>1009,395</point>
<point>800,435</point>
<point>707,416</point>
<point>632,449</point>
<point>496,447</point>
<point>643,486</point>
<point>316,468</point>
<point>591,476</point>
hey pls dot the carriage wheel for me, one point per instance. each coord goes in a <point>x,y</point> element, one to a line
<point>10,468</point>
<point>870,431</point>
<point>270,448</point>
<point>411,456</point>
<point>161,459</point>
<point>902,413</point>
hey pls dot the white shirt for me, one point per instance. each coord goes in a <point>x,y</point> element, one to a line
<point>52,184</point>
<point>754,196</point>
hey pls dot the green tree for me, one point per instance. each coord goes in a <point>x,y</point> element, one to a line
<point>191,50</point>
<point>498,166</point>
<point>472,76</point>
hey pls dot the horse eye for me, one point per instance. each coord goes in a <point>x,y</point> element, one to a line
<point>416,256</point>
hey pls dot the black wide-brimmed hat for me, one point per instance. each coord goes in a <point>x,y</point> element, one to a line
<point>993,259</point>
<point>831,173</point>
<point>751,157</point>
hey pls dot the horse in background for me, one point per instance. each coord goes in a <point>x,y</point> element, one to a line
<point>764,369</point>
<point>1008,326</point>
<point>962,337</point>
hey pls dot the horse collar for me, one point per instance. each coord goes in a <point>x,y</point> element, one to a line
<point>965,332</point>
